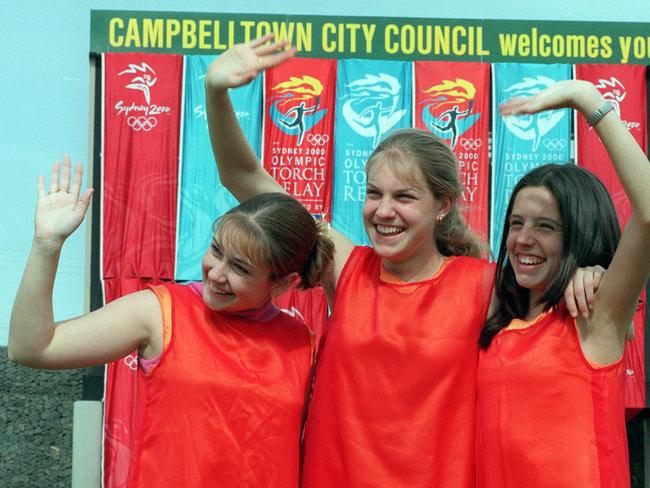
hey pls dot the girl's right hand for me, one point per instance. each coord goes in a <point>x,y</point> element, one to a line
<point>243,62</point>
<point>60,211</point>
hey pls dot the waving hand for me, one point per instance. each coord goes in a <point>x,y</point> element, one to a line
<point>576,94</point>
<point>60,210</point>
<point>241,63</point>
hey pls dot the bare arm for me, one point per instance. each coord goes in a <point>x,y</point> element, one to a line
<point>603,333</point>
<point>616,301</point>
<point>342,249</point>
<point>239,169</point>
<point>106,334</point>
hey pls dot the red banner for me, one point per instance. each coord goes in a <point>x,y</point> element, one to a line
<point>625,87</point>
<point>142,102</point>
<point>452,101</point>
<point>142,105</point>
<point>298,129</point>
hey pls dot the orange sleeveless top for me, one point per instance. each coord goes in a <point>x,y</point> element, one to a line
<point>394,398</point>
<point>224,406</point>
<point>547,418</point>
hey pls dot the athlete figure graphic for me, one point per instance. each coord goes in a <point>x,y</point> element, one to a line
<point>613,91</point>
<point>452,126</point>
<point>143,82</point>
<point>298,121</point>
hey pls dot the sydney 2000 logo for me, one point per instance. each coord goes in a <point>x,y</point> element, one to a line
<point>141,78</point>
<point>613,90</point>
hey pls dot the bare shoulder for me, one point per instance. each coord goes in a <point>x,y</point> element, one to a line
<point>600,339</point>
<point>141,305</point>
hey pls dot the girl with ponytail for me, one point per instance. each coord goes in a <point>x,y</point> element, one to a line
<point>224,373</point>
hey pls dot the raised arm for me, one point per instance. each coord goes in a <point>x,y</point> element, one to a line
<point>104,335</point>
<point>239,169</point>
<point>603,333</point>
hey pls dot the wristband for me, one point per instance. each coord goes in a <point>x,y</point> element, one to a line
<point>598,115</point>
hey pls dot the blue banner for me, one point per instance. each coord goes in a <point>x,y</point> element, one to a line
<point>373,98</point>
<point>524,142</point>
<point>202,197</point>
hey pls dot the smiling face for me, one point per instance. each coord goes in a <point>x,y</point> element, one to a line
<point>399,216</point>
<point>535,240</point>
<point>232,282</point>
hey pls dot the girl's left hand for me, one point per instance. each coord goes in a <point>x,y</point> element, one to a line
<point>578,94</point>
<point>579,294</point>
<point>60,210</point>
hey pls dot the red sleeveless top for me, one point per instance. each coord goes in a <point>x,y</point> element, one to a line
<point>394,398</point>
<point>224,405</point>
<point>547,418</point>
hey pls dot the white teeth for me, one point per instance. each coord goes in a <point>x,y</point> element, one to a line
<point>217,290</point>
<point>530,260</point>
<point>388,230</point>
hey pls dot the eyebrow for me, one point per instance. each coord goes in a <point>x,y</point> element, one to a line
<point>408,188</point>
<point>237,259</point>
<point>539,219</point>
<point>241,261</point>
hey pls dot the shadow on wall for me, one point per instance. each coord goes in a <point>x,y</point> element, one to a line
<point>635,446</point>
<point>36,425</point>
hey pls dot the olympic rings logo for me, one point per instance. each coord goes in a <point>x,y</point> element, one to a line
<point>554,144</point>
<point>318,139</point>
<point>131,361</point>
<point>142,123</point>
<point>471,144</point>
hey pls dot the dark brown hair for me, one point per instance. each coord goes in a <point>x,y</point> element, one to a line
<point>590,235</point>
<point>276,230</point>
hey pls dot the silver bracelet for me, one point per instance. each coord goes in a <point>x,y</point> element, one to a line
<point>598,115</point>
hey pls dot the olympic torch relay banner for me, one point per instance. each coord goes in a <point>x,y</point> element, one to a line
<point>372,99</point>
<point>452,101</point>
<point>202,197</point>
<point>142,102</point>
<point>298,129</point>
<point>625,87</point>
<point>524,142</point>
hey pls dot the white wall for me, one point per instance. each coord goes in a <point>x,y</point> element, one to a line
<point>44,96</point>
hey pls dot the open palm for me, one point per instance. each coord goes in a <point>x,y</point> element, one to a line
<point>60,210</point>
<point>563,94</point>
<point>241,63</point>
